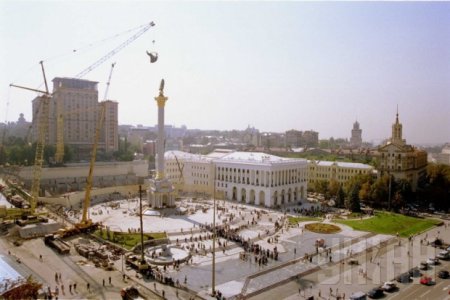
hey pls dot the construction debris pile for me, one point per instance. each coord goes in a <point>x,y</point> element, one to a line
<point>101,255</point>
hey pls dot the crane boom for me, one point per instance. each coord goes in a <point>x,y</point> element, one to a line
<point>109,81</point>
<point>27,88</point>
<point>115,50</point>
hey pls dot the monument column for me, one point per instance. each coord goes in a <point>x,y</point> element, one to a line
<point>161,191</point>
<point>160,141</point>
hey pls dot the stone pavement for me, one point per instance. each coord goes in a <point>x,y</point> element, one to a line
<point>379,264</point>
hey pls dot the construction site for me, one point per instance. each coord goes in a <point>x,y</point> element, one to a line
<point>112,230</point>
<point>109,230</point>
<point>91,228</point>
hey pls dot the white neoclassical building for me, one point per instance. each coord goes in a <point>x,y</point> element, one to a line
<point>246,177</point>
<point>190,173</point>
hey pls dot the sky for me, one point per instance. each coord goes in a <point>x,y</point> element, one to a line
<point>274,66</point>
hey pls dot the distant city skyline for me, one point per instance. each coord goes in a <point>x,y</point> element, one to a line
<point>272,65</point>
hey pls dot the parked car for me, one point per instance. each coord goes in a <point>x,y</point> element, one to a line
<point>443,274</point>
<point>375,293</point>
<point>389,286</point>
<point>414,272</point>
<point>358,296</point>
<point>424,265</point>
<point>433,261</point>
<point>403,278</point>
<point>444,255</point>
<point>426,280</point>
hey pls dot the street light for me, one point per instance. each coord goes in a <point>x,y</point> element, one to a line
<point>213,290</point>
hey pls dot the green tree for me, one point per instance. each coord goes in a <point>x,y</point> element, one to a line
<point>340,197</point>
<point>403,186</point>
<point>321,186</point>
<point>397,202</point>
<point>352,202</point>
<point>333,187</point>
<point>380,192</point>
<point>364,192</point>
<point>438,187</point>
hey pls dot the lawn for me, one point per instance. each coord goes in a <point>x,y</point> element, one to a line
<point>391,223</point>
<point>296,220</point>
<point>322,228</point>
<point>128,240</point>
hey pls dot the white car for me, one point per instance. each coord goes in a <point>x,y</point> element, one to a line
<point>433,261</point>
<point>443,255</point>
<point>389,286</point>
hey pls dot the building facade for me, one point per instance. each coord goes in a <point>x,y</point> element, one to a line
<point>77,101</point>
<point>110,129</point>
<point>356,138</point>
<point>311,138</point>
<point>401,160</point>
<point>247,177</point>
<point>338,171</point>
<point>444,156</point>
<point>294,138</point>
<point>190,173</point>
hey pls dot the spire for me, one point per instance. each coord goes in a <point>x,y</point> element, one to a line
<point>397,115</point>
<point>397,131</point>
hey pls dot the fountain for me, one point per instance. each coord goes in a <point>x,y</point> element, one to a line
<point>166,255</point>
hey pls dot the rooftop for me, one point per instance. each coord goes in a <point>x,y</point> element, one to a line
<point>343,164</point>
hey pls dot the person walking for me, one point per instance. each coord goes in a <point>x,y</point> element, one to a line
<point>109,279</point>
<point>103,282</point>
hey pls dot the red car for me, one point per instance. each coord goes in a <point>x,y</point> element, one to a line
<point>425,280</point>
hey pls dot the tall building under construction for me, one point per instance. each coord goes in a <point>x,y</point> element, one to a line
<point>76,101</point>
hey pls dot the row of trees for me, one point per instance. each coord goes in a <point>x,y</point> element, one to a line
<point>16,151</point>
<point>386,192</point>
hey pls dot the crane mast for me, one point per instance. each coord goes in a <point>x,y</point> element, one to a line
<point>42,121</point>
<point>85,221</point>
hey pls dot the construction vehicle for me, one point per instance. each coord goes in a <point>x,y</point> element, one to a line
<point>40,142</point>
<point>57,243</point>
<point>59,155</point>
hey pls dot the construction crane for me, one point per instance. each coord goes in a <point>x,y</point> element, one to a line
<point>115,50</point>
<point>86,223</point>
<point>42,118</point>
<point>108,83</point>
<point>59,155</point>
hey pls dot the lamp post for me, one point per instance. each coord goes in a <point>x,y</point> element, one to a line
<point>389,196</point>
<point>143,265</point>
<point>214,236</point>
